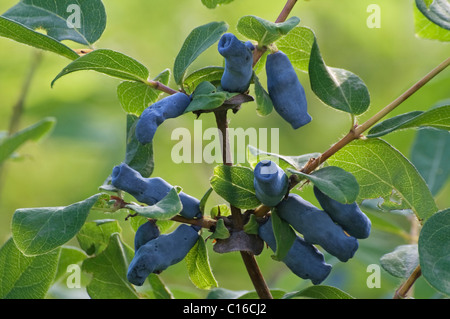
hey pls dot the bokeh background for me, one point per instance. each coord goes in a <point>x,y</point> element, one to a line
<point>89,137</point>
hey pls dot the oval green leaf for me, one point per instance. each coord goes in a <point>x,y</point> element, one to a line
<point>166,208</point>
<point>109,62</point>
<point>335,182</point>
<point>381,172</point>
<point>434,252</point>
<point>297,45</point>
<point>437,11</point>
<point>37,231</point>
<point>235,185</point>
<point>82,21</point>
<point>22,34</point>
<point>200,39</point>
<point>199,269</point>
<point>319,292</point>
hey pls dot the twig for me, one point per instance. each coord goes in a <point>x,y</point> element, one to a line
<point>402,292</point>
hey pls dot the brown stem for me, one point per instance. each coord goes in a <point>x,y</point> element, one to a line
<point>286,11</point>
<point>402,292</point>
<point>201,222</point>
<point>161,87</point>
<point>249,259</point>
<point>357,131</point>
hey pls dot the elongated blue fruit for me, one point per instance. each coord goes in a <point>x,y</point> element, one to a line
<point>146,232</point>
<point>285,90</point>
<point>160,253</point>
<point>317,227</point>
<point>153,116</point>
<point>270,182</point>
<point>302,259</point>
<point>348,216</point>
<point>238,63</point>
<point>151,190</point>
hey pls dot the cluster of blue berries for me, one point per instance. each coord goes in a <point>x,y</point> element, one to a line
<point>336,228</point>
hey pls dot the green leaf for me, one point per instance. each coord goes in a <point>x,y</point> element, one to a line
<point>20,33</point>
<point>437,11</point>
<point>402,261</point>
<point>254,156</point>
<point>219,210</point>
<point>160,291</point>
<point>211,4</point>
<point>434,252</point>
<point>263,31</point>
<point>109,272</point>
<point>69,256</point>
<point>94,236</point>
<point>319,292</point>
<point>34,132</point>
<point>252,226</point>
<point>212,74</point>
<point>297,45</point>
<point>135,97</point>
<point>198,266</point>
<point>335,182</point>
<point>166,208</point>
<point>264,105</point>
<point>204,199</point>
<point>200,39</point>
<point>438,117</point>
<point>39,230</point>
<point>235,185</point>
<point>58,19</point>
<point>284,236</point>
<point>109,62</point>
<point>382,171</point>
<point>138,156</point>
<point>338,88</point>
<point>220,231</point>
<point>25,277</point>
<point>205,97</point>
<point>429,154</point>
<point>222,293</point>
<point>426,29</point>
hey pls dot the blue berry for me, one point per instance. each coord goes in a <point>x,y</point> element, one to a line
<point>270,182</point>
<point>146,232</point>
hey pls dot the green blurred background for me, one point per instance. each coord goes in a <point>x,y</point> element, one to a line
<point>89,136</point>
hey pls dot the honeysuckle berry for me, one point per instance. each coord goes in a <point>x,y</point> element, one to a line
<point>238,63</point>
<point>303,259</point>
<point>348,216</point>
<point>317,227</point>
<point>160,253</point>
<point>146,232</point>
<point>153,116</point>
<point>270,182</point>
<point>285,90</point>
<point>151,190</point>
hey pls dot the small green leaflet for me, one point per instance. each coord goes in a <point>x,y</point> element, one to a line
<point>94,236</point>
<point>235,185</point>
<point>109,62</point>
<point>382,171</point>
<point>335,182</point>
<point>37,231</point>
<point>135,97</point>
<point>430,154</point>
<point>437,11</point>
<point>24,277</point>
<point>263,31</point>
<point>319,292</point>
<point>220,231</point>
<point>338,88</point>
<point>109,272</point>
<point>20,33</point>
<point>198,266</point>
<point>138,156</point>
<point>166,208</point>
<point>284,236</point>
<point>264,105</point>
<point>426,29</point>
<point>297,45</point>
<point>438,117</point>
<point>200,39</point>
<point>434,255</point>
<point>211,4</point>
<point>34,132</point>
<point>82,22</point>
<point>211,74</point>
<point>402,261</point>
